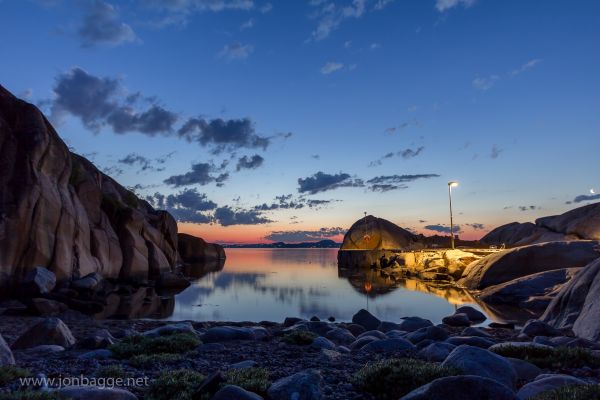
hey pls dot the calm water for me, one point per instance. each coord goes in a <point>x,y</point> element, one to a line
<point>271,284</point>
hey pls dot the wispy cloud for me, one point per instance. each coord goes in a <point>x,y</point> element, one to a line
<point>444,5</point>
<point>528,65</point>
<point>330,16</point>
<point>236,51</point>
<point>331,67</point>
<point>485,83</point>
<point>495,153</point>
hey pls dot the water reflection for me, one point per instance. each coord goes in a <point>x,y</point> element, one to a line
<point>271,284</point>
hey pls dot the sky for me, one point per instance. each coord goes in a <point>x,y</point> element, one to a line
<point>285,120</point>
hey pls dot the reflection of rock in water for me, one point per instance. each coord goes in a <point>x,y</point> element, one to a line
<point>201,269</point>
<point>504,313</point>
<point>143,302</point>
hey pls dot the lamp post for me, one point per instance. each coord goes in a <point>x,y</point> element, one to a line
<point>451,184</point>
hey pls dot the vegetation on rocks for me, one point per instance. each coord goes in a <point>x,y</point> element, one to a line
<point>300,337</point>
<point>556,357</point>
<point>9,373</point>
<point>111,371</point>
<point>572,392</point>
<point>150,360</point>
<point>393,378</point>
<point>255,380</point>
<point>143,345</point>
<point>179,384</point>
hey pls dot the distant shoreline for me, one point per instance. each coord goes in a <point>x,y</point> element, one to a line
<point>323,244</point>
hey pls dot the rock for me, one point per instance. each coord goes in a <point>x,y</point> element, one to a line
<point>472,331</point>
<point>331,319</point>
<point>314,318</point>
<point>355,329</point>
<point>466,387</point>
<point>576,305</point>
<point>534,327</point>
<point>100,339</point>
<point>516,234</point>
<point>170,280</point>
<point>330,356</point>
<point>323,343</point>
<point>210,385</point>
<point>39,281</point>
<point>375,333</point>
<point>386,326</point>
<point>291,321</point>
<point>371,233</point>
<point>366,320</point>
<point>547,382</point>
<point>319,327</point>
<point>180,327</point>
<point>411,324</point>
<point>90,282</point>
<point>473,314</point>
<point>518,292</point>
<point>100,354</point>
<point>46,307</point>
<point>244,364</point>
<point>471,341</point>
<point>457,260</point>
<point>226,333</point>
<point>231,392</point>
<point>457,320</point>
<point>6,355</point>
<point>515,263</point>
<point>525,370</point>
<point>49,331</point>
<point>502,325</point>
<point>304,385</point>
<point>44,349</point>
<point>362,342</point>
<point>434,333</point>
<point>95,393</point>
<point>340,335</point>
<point>396,334</point>
<point>194,250</point>
<point>476,361</point>
<point>437,351</point>
<point>388,346</point>
<point>582,222</point>
<point>343,349</point>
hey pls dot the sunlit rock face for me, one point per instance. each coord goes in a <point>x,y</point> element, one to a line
<point>59,211</point>
<point>371,233</point>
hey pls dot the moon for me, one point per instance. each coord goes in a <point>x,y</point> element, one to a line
<point>592,191</point>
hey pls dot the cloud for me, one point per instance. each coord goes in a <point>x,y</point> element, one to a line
<point>386,187</point>
<point>266,8</point>
<point>381,4</point>
<point>485,83</point>
<point>288,201</point>
<point>528,65</point>
<point>248,24</point>
<point>177,12</point>
<point>529,208</point>
<point>410,153</point>
<point>228,216</point>
<point>495,152</point>
<point>321,182</point>
<point>236,51</point>
<point>476,226</point>
<point>315,156</point>
<point>224,135</point>
<point>185,206</point>
<point>386,183</point>
<point>374,46</point>
<point>331,67</point>
<point>330,16</point>
<point>442,229</point>
<point>305,236</point>
<point>144,163</point>
<point>201,174</point>
<point>444,5</point>
<point>249,162</point>
<point>585,197</point>
<point>406,154</point>
<point>101,25</point>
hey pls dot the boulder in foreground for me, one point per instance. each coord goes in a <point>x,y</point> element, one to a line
<point>468,387</point>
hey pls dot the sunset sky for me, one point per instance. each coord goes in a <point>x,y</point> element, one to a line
<point>256,121</point>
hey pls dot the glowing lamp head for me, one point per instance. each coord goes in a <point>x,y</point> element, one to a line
<point>452,184</point>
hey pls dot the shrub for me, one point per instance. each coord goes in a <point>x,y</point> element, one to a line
<point>573,392</point>
<point>179,384</point>
<point>138,345</point>
<point>31,395</point>
<point>553,357</point>
<point>252,379</point>
<point>111,371</point>
<point>393,378</point>
<point>300,337</point>
<point>9,373</point>
<point>149,360</point>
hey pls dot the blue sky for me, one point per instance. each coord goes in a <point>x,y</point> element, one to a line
<point>502,96</point>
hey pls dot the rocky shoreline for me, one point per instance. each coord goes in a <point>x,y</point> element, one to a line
<point>364,359</point>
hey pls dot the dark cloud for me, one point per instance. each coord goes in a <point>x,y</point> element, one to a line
<point>201,174</point>
<point>406,154</point>
<point>285,202</point>
<point>305,236</point>
<point>249,162</point>
<point>315,156</point>
<point>476,226</point>
<point>393,182</point>
<point>410,153</point>
<point>153,121</point>
<point>495,153</point>
<point>101,25</point>
<point>321,182</point>
<point>529,208</point>
<point>236,51</point>
<point>442,229</point>
<point>228,216</point>
<point>185,206</point>
<point>585,197</point>
<point>113,170</point>
<point>386,187</point>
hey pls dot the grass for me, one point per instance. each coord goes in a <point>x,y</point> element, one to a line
<point>573,392</point>
<point>300,337</point>
<point>554,357</point>
<point>179,384</point>
<point>149,360</point>
<point>31,395</point>
<point>176,343</point>
<point>9,373</point>
<point>393,378</point>
<point>111,371</point>
<point>255,380</point>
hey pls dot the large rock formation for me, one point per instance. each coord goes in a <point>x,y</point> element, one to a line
<point>577,305</point>
<point>371,233</point>
<point>58,211</point>
<point>193,249</point>
<point>522,261</point>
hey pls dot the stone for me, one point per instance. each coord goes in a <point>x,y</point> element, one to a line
<point>534,327</point>
<point>457,320</point>
<point>466,387</point>
<point>477,341</point>
<point>244,364</point>
<point>44,349</point>
<point>525,370</point>
<point>386,326</point>
<point>314,318</point>
<point>576,305</point>
<point>100,354</point>
<point>170,280</point>
<point>47,307</point>
<point>321,342</point>
<point>518,234</point>
<point>374,333</point>
<point>437,351</point>
<point>100,339</point>
<point>501,325</point>
<point>355,329</point>
<point>388,346</point>
<point>476,361</point>
<point>305,385</point>
<point>547,382</point>
<point>49,331</point>
<point>411,324</point>
<point>210,385</point>
<point>6,355</point>
<point>95,393</point>
<point>330,356</point>
<point>472,313</point>
<point>340,335</point>
<point>180,327</point>
<point>193,250</point>
<point>473,331</point>
<point>396,334</point>
<point>231,392</point>
<point>382,234</point>
<point>366,320</point>
<point>90,282</point>
<point>291,321</point>
<point>38,281</point>
<point>363,341</point>
<point>582,222</point>
<point>434,333</point>
<point>260,332</point>
<point>226,333</point>
<point>515,263</point>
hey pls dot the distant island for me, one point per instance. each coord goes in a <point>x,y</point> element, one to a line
<point>323,244</point>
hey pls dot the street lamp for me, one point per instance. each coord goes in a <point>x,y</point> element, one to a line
<point>451,184</point>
